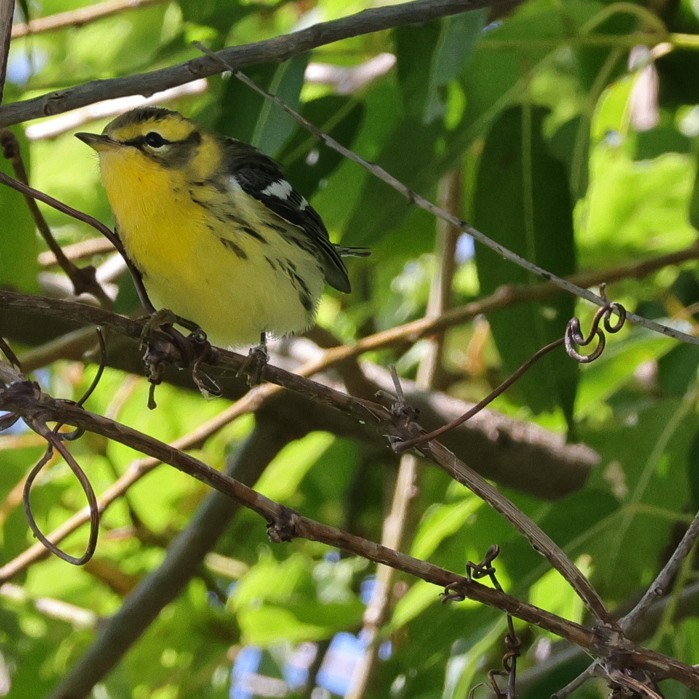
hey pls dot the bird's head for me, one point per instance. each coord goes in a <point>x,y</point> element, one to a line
<point>148,135</point>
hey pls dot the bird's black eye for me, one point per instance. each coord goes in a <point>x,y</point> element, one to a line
<point>154,140</point>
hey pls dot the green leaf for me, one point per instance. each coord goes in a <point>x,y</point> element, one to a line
<point>306,162</point>
<point>382,207</point>
<point>254,119</point>
<point>615,368</point>
<point>283,476</point>
<point>215,13</point>
<point>430,57</point>
<point>19,267</point>
<point>511,53</point>
<point>415,143</point>
<point>414,52</point>
<point>678,369</point>
<point>522,201</point>
<point>274,125</point>
<point>276,601</point>
<point>270,580</point>
<point>632,207</point>
<point>296,621</point>
<point>649,460</point>
<point>693,471</point>
<point>441,521</point>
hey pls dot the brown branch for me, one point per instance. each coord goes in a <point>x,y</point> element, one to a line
<point>273,50</point>
<point>378,417</point>
<point>26,400</point>
<point>77,17</point>
<point>521,455</point>
<point>504,297</point>
<point>7,8</point>
<point>540,541</point>
<point>562,654</point>
<point>254,400</point>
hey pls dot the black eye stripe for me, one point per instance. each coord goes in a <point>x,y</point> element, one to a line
<point>151,139</point>
<point>155,140</point>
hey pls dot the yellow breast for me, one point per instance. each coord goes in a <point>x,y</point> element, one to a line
<point>197,265</point>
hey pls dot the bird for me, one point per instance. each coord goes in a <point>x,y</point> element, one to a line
<point>215,231</point>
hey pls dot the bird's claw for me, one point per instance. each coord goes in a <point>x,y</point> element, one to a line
<point>254,365</point>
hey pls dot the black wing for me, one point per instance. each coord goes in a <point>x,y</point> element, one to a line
<point>260,177</point>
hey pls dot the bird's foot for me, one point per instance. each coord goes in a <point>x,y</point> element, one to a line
<point>254,365</point>
<point>163,345</point>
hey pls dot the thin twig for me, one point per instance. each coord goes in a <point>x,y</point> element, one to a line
<point>438,212</point>
<point>78,251</point>
<point>575,684</point>
<point>498,391</point>
<point>55,441</point>
<point>572,339</point>
<point>7,9</point>
<point>78,17</point>
<point>660,586</point>
<point>83,279</point>
<point>91,221</point>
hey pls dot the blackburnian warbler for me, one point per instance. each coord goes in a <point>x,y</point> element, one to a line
<point>217,233</point>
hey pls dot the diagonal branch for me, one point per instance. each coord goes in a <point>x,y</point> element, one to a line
<point>438,212</point>
<point>520,455</point>
<point>278,49</point>
<point>288,524</point>
<point>662,582</point>
<point>184,559</point>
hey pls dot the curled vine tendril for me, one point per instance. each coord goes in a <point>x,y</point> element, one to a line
<point>456,592</point>
<point>605,315</point>
<point>55,439</point>
<point>611,316</point>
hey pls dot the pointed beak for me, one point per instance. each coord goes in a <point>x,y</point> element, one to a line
<point>97,141</point>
